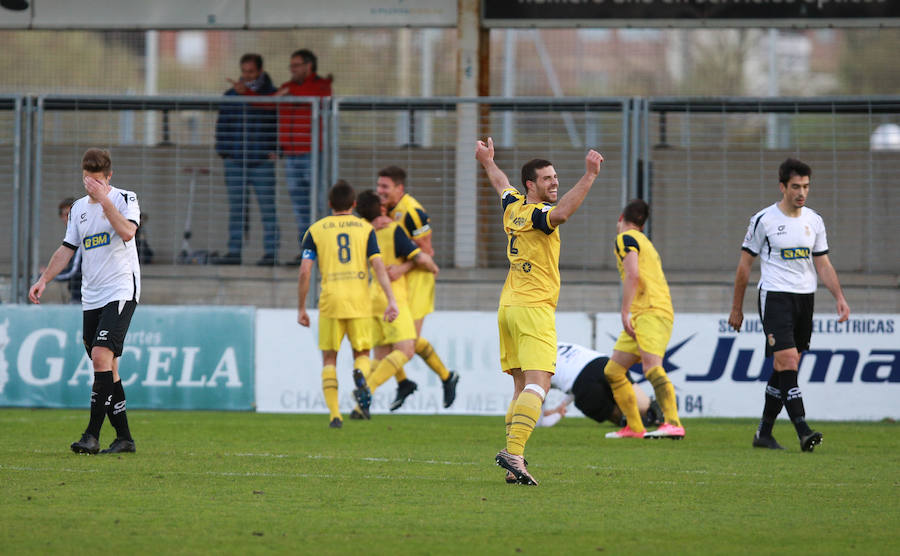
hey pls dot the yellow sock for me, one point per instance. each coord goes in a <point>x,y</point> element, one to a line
<point>509,415</point>
<point>665,394</point>
<point>525,417</point>
<point>387,368</point>
<point>400,375</point>
<point>623,392</point>
<point>426,352</point>
<point>364,364</point>
<point>330,389</point>
<point>373,364</point>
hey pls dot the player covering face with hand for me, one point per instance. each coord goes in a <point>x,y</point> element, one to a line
<point>103,223</point>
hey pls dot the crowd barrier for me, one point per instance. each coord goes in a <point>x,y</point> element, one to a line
<point>241,358</point>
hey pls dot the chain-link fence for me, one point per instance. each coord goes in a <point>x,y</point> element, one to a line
<point>12,109</point>
<point>714,162</point>
<point>706,165</point>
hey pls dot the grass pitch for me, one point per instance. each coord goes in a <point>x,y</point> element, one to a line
<point>253,483</point>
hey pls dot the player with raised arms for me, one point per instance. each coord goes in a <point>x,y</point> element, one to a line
<point>527,314</point>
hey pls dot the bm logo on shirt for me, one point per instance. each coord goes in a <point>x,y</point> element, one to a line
<point>96,240</point>
<point>795,253</point>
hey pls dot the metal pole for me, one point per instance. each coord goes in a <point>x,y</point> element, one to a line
<point>635,144</point>
<point>645,149</point>
<point>151,80</point>
<point>314,162</point>
<point>465,190</point>
<point>36,198</point>
<point>509,86</point>
<point>772,119</point>
<point>425,129</point>
<point>626,151</point>
<point>17,176</point>
<point>26,196</point>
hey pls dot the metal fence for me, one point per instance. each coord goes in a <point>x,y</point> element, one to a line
<point>706,165</point>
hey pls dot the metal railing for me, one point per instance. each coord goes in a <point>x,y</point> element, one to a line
<point>705,164</point>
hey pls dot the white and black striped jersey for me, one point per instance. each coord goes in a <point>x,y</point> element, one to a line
<point>109,265</point>
<point>786,246</point>
<point>571,359</point>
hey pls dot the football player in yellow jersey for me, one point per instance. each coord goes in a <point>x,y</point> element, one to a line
<point>527,313</point>
<point>647,318</point>
<point>395,342</point>
<point>411,216</point>
<point>343,245</point>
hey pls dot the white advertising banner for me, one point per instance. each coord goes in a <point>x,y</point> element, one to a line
<point>851,372</point>
<point>289,364</point>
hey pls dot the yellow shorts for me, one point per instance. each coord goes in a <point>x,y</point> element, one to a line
<point>653,333</point>
<point>403,328</point>
<point>332,331</point>
<point>527,338</point>
<point>421,293</point>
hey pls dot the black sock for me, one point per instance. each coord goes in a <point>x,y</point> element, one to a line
<point>101,394</point>
<point>772,406</point>
<point>116,412</point>
<point>793,402</point>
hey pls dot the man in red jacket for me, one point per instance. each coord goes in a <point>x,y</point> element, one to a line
<point>294,133</point>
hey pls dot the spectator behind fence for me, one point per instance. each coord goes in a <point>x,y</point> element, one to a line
<point>246,141</point>
<point>71,274</point>
<point>294,137</point>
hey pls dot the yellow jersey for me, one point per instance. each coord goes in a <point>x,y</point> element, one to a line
<point>411,215</point>
<point>532,248</point>
<point>343,245</point>
<point>653,291</point>
<point>395,248</point>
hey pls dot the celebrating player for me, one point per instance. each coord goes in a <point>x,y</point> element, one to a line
<point>342,244</point>
<point>407,211</point>
<point>790,241</point>
<point>647,318</point>
<point>103,223</point>
<point>395,341</point>
<point>526,316</point>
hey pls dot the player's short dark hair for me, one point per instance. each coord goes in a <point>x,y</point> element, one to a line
<point>307,56</point>
<point>395,173</point>
<point>251,57</point>
<point>792,167</point>
<point>636,212</point>
<point>368,205</point>
<point>529,171</point>
<point>341,196</point>
<point>64,204</point>
<point>97,160</point>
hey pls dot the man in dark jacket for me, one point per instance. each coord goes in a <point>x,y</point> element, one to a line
<point>246,139</point>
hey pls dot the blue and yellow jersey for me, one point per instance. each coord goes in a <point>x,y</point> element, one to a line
<point>532,248</point>
<point>343,245</point>
<point>411,215</point>
<point>396,248</point>
<point>653,291</point>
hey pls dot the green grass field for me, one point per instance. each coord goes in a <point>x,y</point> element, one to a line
<point>253,483</point>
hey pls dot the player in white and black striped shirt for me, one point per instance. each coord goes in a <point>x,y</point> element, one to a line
<point>103,224</point>
<point>790,240</point>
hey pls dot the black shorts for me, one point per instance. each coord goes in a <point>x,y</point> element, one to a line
<point>107,326</point>
<point>593,395</point>
<point>787,320</point>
